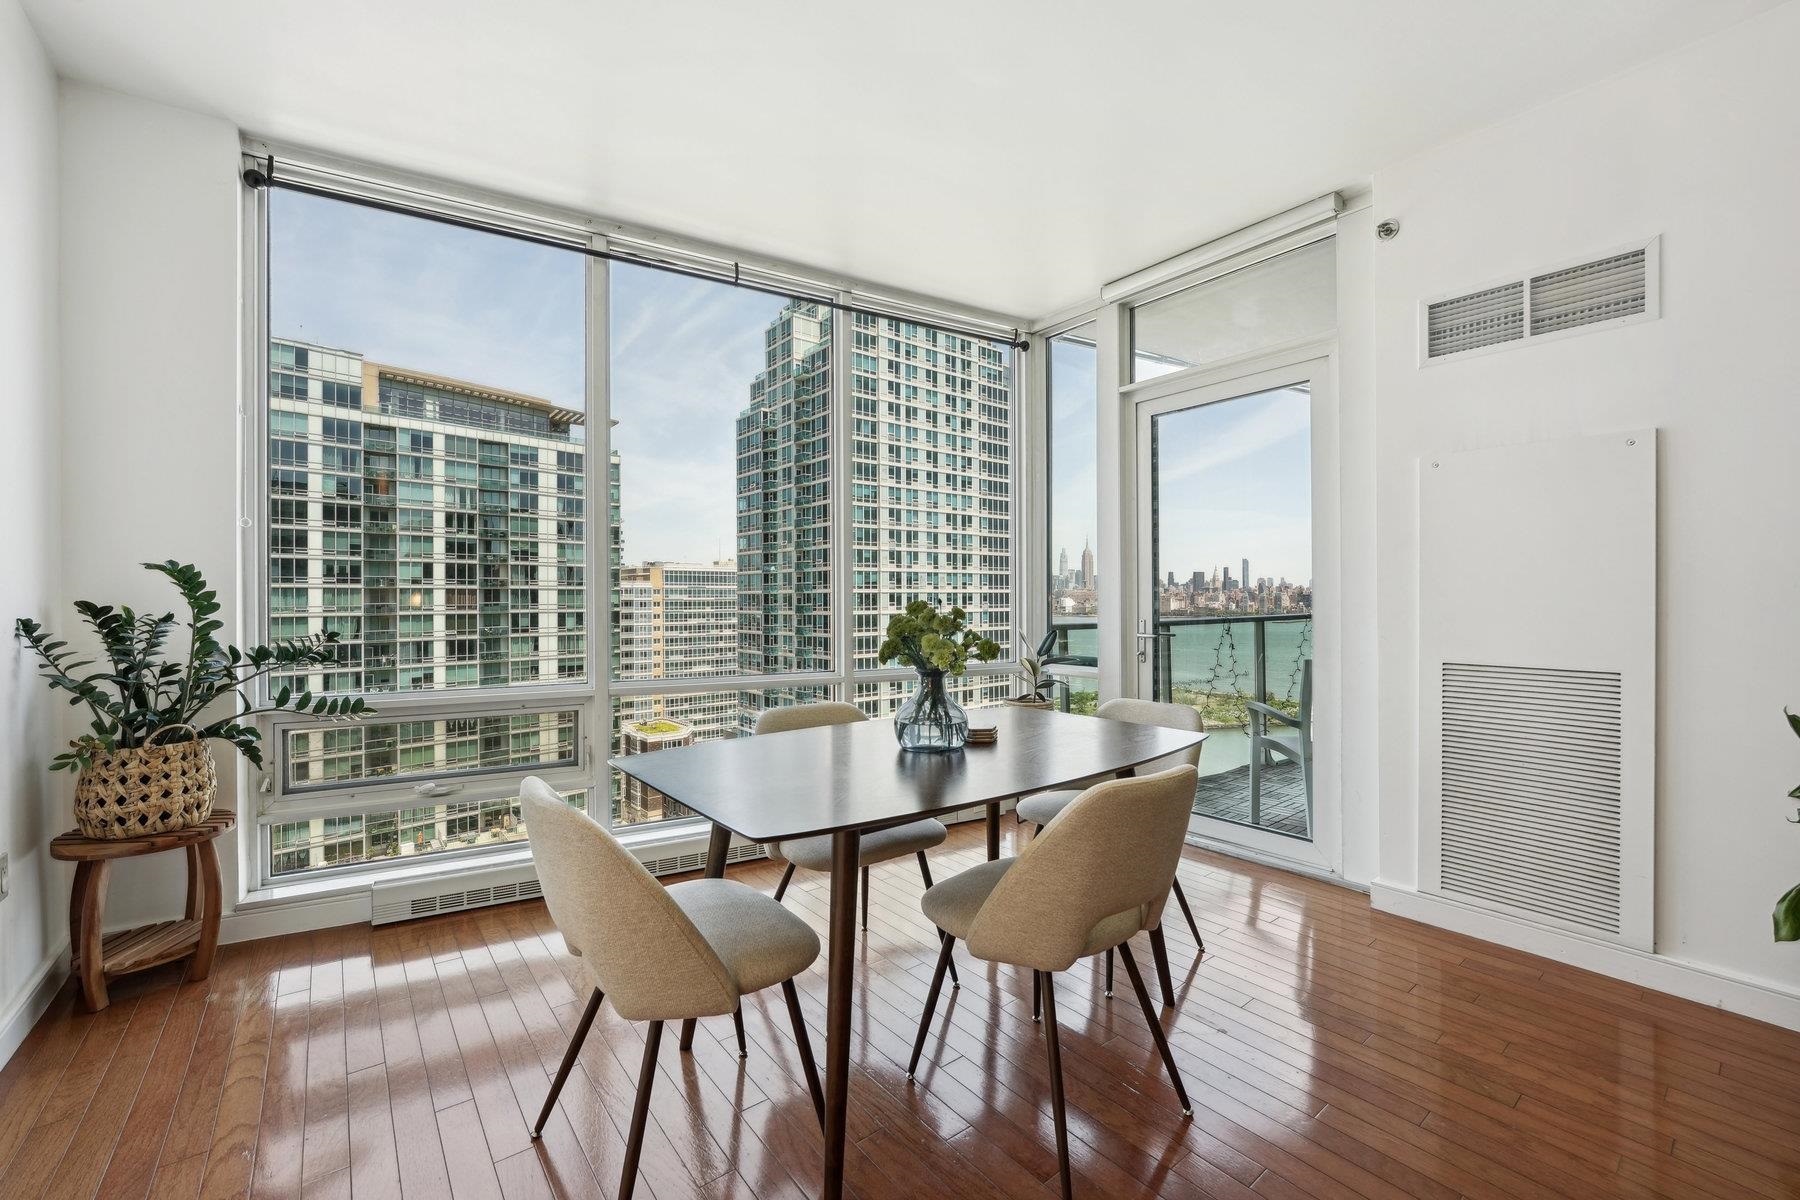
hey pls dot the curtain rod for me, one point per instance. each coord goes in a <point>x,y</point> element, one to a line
<point>258,178</point>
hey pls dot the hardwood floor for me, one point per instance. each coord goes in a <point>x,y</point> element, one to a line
<point>1330,1052</point>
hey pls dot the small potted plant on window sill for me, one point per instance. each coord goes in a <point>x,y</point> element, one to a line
<point>934,644</point>
<point>144,763</point>
<point>1038,683</point>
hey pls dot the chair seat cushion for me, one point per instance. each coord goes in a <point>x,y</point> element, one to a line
<point>1043,808</point>
<point>760,942</point>
<point>952,906</point>
<point>814,853</point>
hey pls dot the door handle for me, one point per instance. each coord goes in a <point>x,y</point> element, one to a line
<point>1144,635</point>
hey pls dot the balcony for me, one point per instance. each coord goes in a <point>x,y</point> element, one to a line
<point>1217,664</point>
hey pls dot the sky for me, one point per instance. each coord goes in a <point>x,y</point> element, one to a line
<point>1236,482</point>
<point>1236,477</point>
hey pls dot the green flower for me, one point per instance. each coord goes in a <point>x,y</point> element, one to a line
<point>927,640</point>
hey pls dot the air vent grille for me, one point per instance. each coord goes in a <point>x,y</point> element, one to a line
<point>1616,288</point>
<point>1485,318</point>
<point>1602,290</point>
<point>1531,798</point>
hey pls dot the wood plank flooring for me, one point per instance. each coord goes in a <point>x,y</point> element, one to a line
<point>1330,1052</point>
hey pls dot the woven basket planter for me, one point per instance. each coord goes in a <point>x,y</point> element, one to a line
<point>149,789</point>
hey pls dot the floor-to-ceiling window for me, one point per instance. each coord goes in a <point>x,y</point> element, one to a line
<point>1072,493</point>
<point>426,482</point>
<point>535,560</point>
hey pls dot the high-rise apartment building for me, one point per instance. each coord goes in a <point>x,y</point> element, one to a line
<point>930,443</point>
<point>679,620</point>
<point>439,527</point>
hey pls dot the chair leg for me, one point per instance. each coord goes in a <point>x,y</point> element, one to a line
<point>865,899</point>
<point>568,1062</point>
<point>1048,988</point>
<point>925,874</point>
<point>1193,926</point>
<point>640,1111</point>
<point>931,999</point>
<point>1156,1029</point>
<point>805,1043</point>
<point>787,877</point>
<point>1109,958</point>
<point>1037,997</point>
<point>737,1019</point>
<point>1160,952</point>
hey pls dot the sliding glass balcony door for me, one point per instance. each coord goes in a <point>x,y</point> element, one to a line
<point>1224,608</point>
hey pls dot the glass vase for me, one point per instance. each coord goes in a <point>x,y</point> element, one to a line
<point>930,721</point>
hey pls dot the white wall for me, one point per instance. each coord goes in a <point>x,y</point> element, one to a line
<point>33,918</point>
<point>1700,147</point>
<point>1358,712</point>
<point>150,382</point>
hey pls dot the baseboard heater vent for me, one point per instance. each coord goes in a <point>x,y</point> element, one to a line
<point>408,900</point>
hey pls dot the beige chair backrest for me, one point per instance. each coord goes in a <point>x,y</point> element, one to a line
<point>808,716</point>
<point>643,951</point>
<point>1153,712</point>
<point>1112,850</point>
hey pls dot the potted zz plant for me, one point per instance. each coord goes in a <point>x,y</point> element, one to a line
<point>1787,909</point>
<point>144,764</point>
<point>934,644</point>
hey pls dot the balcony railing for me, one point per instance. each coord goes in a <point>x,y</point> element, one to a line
<point>1217,664</point>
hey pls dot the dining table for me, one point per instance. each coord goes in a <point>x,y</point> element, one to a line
<point>852,779</point>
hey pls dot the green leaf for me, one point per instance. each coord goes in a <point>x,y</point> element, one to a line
<point>1787,916</point>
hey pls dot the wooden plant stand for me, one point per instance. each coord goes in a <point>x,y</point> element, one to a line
<point>95,958</point>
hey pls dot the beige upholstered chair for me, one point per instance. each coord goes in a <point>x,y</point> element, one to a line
<point>1042,808</point>
<point>814,853</point>
<point>1098,873</point>
<point>661,954</point>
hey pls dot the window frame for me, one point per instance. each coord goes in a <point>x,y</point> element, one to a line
<point>276,802</point>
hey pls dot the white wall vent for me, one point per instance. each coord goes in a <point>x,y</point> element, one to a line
<point>1529,791</point>
<point>1485,318</point>
<point>1537,686</point>
<point>1617,288</point>
<point>409,899</point>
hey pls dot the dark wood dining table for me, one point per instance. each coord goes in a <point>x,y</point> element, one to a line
<point>848,780</point>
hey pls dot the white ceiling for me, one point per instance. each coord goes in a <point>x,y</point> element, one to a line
<point>1012,154</point>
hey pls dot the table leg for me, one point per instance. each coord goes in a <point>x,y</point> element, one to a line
<point>716,849</point>
<point>993,831</point>
<point>87,914</point>
<point>846,846</point>
<point>206,856</point>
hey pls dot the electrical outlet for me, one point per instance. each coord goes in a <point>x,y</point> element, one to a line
<point>5,866</point>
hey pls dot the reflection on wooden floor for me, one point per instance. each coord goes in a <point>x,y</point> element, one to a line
<point>1330,1052</point>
